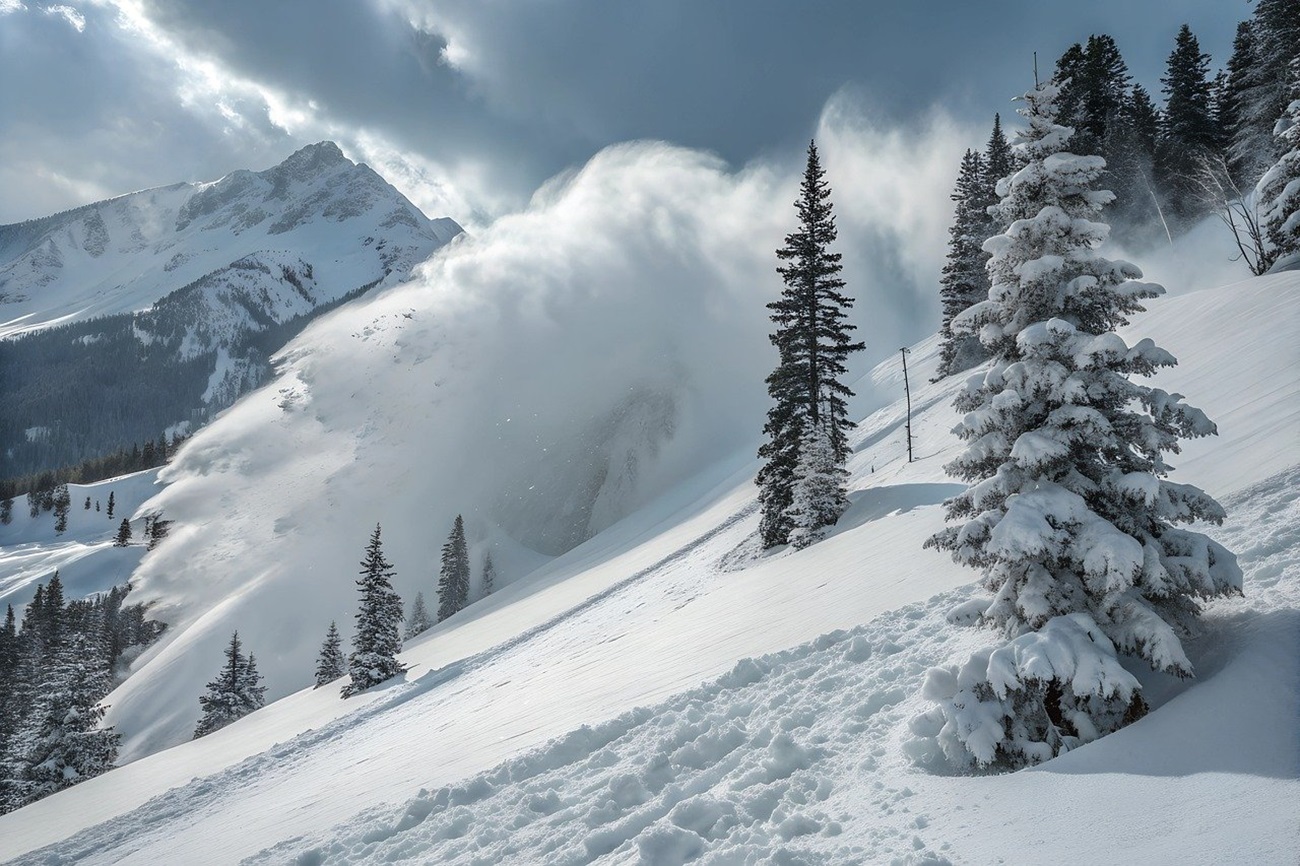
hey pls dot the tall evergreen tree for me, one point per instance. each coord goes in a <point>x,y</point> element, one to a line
<point>1261,92</point>
<point>1231,115</point>
<point>330,664</point>
<point>965,279</point>
<point>812,342</point>
<point>112,503</point>
<point>65,745</point>
<point>378,638</point>
<point>1067,513</point>
<point>9,697</point>
<point>62,502</point>
<point>999,162</point>
<point>1279,188</point>
<point>6,510</point>
<point>418,620</point>
<point>1188,136</point>
<point>453,576</point>
<point>1094,87</point>
<point>123,537</point>
<point>235,693</point>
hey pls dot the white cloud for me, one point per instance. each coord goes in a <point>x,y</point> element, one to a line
<point>8,7</point>
<point>69,14</point>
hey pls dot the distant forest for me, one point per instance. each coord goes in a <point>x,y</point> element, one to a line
<point>86,390</point>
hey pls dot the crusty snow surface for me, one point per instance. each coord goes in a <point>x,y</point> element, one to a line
<point>561,719</point>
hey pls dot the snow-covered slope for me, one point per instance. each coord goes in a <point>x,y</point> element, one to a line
<point>124,254</point>
<point>801,755</point>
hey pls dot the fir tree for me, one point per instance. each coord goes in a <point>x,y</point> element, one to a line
<point>378,637</point>
<point>123,534</point>
<point>418,620</point>
<point>6,510</point>
<point>812,342</point>
<point>66,745</point>
<point>965,279</point>
<point>489,579</point>
<point>999,162</point>
<point>1279,188</point>
<point>86,507</point>
<point>112,501</point>
<point>818,498</point>
<point>1261,93</point>
<point>235,693</point>
<point>1068,513</point>
<point>330,664</point>
<point>62,502</point>
<point>1188,134</point>
<point>453,576</point>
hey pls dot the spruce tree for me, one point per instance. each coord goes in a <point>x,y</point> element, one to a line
<point>1068,513</point>
<point>123,537</point>
<point>999,162</point>
<point>66,745</point>
<point>965,279</point>
<point>1261,94</point>
<point>62,502</point>
<point>378,637</point>
<point>812,342</point>
<point>112,501</point>
<point>1279,188</point>
<point>418,620</point>
<point>1188,136</point>
<point>6,510</point>
<point>1232,118</point>
<point>235,693</point>
<point>489,579</point>
<point>453,576</point>
<point>86,507</point>
<point>330,664</point>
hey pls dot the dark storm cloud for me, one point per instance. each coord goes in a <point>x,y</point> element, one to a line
<point>470,104</point>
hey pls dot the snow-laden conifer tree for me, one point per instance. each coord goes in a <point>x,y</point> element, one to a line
<point>418,620</point>
<point>378,638</point>
<point>818,499</point>
<point>65,744</point>
<point>965,280</point>
<point>330,664</point>
<point>235,693</point>
<point>812,342</point>
<point>453,576</point>
<point>123,534</point>
<point>1068,513</point>
<point>1279,188</point>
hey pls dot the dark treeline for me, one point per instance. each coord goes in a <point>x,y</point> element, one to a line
<point>55,668</point>
<point>154,452</point>
<point>92,389</point>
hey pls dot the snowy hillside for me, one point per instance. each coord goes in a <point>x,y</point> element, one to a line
<point>805,754</point>
<point>126,253</point>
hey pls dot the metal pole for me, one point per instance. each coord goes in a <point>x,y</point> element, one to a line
<point>908,391</point>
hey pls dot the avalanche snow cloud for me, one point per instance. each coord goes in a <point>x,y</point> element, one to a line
<point>544,378</point>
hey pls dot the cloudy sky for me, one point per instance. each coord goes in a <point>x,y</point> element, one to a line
<point>469,105</point>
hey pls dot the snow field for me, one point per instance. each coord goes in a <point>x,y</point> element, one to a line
<point>800,757</point>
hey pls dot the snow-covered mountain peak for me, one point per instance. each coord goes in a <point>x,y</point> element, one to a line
<point>124,254</point>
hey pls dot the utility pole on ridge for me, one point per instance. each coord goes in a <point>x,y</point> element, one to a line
<point>908,391</point>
